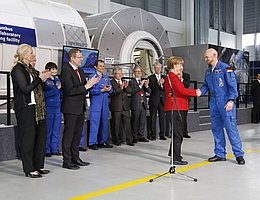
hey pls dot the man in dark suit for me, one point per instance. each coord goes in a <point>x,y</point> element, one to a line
<point>185,79</point>
<point>255,92</point>
<point>119,107</point>
<point>156,101</point>
<point>138,104</point>
<point>74,89</point>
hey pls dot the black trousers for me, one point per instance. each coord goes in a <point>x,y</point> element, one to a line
<point>153,114</point>
<point>71,136</point>
<point>118,118</point>
<point>185,125</point>
<point>255,111</point>
<point>32,139</point>
<point>178,127</point>
<point>138,122</point>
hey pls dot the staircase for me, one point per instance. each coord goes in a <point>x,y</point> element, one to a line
<point>204,120</point>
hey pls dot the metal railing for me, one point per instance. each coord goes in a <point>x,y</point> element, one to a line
<point>7,97</point>
<point>244,96</point>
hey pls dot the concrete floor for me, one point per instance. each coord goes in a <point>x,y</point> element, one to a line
<point>123,173</point>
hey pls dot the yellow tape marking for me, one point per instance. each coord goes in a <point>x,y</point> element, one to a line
<point>146,179</point>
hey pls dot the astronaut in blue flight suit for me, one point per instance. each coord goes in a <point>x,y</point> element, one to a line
<point>220,81</point>
<point>52,93</point>
<point>99,109</point>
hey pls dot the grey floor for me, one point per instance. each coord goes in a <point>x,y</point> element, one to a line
<point>124,172</point>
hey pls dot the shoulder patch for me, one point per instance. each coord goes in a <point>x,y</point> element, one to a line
<point>229,69</point>
<point>208,73</point>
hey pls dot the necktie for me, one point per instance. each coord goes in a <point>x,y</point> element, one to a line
<point>77,72</point>
<point>139,81</point>
<point>118,82</point>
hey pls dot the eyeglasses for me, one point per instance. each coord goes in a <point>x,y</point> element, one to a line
<point>138,71</point>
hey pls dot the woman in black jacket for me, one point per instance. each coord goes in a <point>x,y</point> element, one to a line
<point>30,111</point>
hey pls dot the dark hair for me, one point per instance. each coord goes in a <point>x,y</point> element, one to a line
<point>51,65</point>
<point>96,62</point>
<point>72,53</point>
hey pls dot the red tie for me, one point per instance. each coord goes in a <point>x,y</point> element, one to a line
<point>119,83</point>
<point>77,72</point>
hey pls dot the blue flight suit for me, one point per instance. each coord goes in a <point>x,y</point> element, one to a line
<point>99,111</point>
<point>53,114</point>
<point>221,83</point>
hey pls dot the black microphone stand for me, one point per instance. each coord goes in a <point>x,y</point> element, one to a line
<point>172,169</point>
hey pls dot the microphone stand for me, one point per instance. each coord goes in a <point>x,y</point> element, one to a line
<point>172,169</point>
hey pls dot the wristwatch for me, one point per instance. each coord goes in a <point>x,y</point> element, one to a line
<point>231,100</point>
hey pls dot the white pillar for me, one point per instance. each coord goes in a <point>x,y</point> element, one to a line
<point>188,17</point>
<point>239,13</point>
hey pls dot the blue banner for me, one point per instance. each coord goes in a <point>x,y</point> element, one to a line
<point>17,35</point>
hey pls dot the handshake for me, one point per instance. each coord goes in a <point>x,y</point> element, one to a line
<point>198,92</point>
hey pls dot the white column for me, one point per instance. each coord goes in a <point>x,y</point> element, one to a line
<point>239,22</point>
<point>188,18</point>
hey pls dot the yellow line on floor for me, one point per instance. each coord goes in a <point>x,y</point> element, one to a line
<point>145,179</point>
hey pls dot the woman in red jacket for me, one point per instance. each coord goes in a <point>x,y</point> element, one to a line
<point>176,100</point>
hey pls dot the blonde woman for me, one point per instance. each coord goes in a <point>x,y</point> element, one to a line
<point>30,111</point>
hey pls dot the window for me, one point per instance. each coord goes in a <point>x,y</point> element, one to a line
<point>223,16</point>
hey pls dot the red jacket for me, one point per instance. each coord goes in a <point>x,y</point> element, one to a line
<point>180,92</point>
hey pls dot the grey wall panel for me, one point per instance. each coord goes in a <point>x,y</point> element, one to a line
<point>129,20</point>
<point>151,25</point>
<point>92,22</point>
<point>49,32</point>
<point>98,33</point>
<point>75,35</point>
<point>111,41</point>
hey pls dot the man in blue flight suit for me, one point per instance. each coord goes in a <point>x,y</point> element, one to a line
<point>220,81</point>
<point>99,108</point>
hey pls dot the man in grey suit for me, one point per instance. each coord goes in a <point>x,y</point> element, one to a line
<point>138,104</point>
<point>74,90</point>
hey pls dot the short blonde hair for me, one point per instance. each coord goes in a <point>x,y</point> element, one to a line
<point>174,60</point>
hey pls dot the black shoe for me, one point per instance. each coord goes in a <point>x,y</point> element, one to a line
<point>70,166</point>
<point>93,147</point>
<point>143,139</point>
<point>80,162</point>
<point>57,154</point>
<point>48,155</point>
<point>105,145</point>
<point>240,160</point>
<point>82,149</point>
<point>117,143</point>
<point>182,162</point>
<point>216,158</point>
<point>134,140</point>
<point>186,136</point>
<point>153,138</point>
<point>129,142</point>
<point>163,138</point>
<point>33,175</point>
<point>43,171</point>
